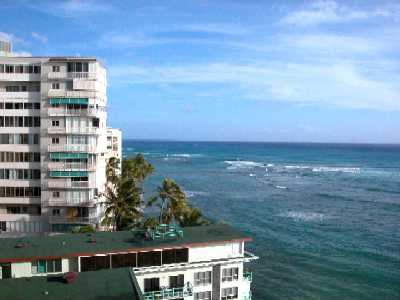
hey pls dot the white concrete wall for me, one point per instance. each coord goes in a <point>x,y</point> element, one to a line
<point>24,269</point>
<point>198,254</point>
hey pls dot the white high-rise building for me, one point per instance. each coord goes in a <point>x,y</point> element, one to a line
<point>54,142</point>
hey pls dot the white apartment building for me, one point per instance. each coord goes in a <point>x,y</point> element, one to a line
<point>53,142</point>
<point>194,263</point>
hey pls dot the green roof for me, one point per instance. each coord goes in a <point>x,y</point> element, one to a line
<point>97,285</point>
<point>79,244</point>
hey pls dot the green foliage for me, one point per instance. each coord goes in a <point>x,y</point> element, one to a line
<point>86,229</point>
<point>175,206</point>
<point>124,197</point>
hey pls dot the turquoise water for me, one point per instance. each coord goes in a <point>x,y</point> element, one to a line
<point>325,218</point>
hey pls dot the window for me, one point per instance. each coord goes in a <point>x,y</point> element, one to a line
<point>13,209</point>
<point>36,121</point>
<point>202,296</point>
<point>55,86</point>
<point>56,212</point>
<point>123,260</point>
<point>151,284</point>
<point>148,259</point>
<point>46,266</point>
<point>177,281</point>
<point>3,226</point>
<point>229,293</point>
<point>56,68</point>
<point>55,123</point>
<point>202,278</point>
<point>95,263</point>
<point>230,274</point>
<point>56,194</point>
<point>55,140</point>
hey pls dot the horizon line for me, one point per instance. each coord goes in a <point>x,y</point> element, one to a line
<point>255,142</point>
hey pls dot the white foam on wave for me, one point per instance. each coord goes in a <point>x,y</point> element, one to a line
<point>337,169</point>
<point>252,175</point>
<point>303,216</point>
<point>281,187</point>
<point>191,194</point>
<point>321,169</point>
<point>243,164</point>
<point>297,167</point>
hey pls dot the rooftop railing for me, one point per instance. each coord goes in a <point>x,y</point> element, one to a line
<point>248,276</point>
<point>164,231</point>
<point>168,293</point>
<point>247,296</point>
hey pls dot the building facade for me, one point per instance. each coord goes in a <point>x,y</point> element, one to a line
<point>196,263</point>
<point>53,142</point>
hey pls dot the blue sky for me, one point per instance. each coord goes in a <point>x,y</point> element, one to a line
<point>319,71</point>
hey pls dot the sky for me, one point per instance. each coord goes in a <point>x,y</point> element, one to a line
<point>230,70</point>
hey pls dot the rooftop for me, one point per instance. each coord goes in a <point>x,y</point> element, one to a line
<point>97,285</point>
<point>77,244</point>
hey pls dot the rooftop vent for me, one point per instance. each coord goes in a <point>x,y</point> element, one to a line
<point>21,245</point>
<point>70,277</point>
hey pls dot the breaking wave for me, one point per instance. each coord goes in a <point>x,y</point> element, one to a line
<point>191,194</point>
<point>243,164</point>
<point>182,156</point>
<point>303,216</point>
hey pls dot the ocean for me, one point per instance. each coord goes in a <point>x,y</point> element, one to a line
<point>325,218</point>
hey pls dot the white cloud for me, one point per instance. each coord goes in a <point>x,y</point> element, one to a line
<point>332,85</point>
<point>40,37</point>
<point>21,53</point>
<point>73,8</point>
<point>5,36</point>
<point>9,37</point>
<point>329,11</point>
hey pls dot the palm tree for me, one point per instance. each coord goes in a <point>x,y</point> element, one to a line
<point>175,205</point>
<point>123,192</point>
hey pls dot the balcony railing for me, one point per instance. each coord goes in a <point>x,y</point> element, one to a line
<point>73,130</point>
<point>71,75</point>
<point>248,256</point>
<point>66,184</point>
<point>71,148</point>
<point>172,293</point>
<point>248,276</point>
<point>60,165</point>
<point>247,296</point>
<point>63,111</point>
<point>68,202</point>
<point>72,220</point>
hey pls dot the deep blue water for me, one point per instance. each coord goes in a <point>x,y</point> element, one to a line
<point>325,217</point>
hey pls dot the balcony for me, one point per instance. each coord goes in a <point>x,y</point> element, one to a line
<point>20,76</point>
<point>61,165</point>
<point>71,75</point>
<point>248,256</point>
<point>247,296</point>
<point>74,130</point>
<point>73,94</point>
<point>71,148</point>
<point>72,220</point>
<point>171,293</point>
<point>248,276</point>
<point>63,111</point>
<point>20,95</point>
<point>68,184</point>
<point>57,202</point>
<point>68,174</point>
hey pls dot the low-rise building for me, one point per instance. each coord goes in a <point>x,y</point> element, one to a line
<point>205,262</point>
